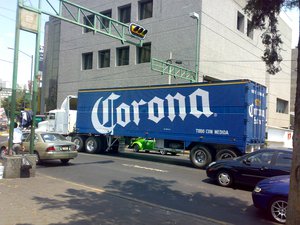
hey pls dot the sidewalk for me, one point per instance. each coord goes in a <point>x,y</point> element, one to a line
<point>44,200</point>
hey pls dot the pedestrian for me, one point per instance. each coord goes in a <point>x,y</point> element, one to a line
<point>17,146</point>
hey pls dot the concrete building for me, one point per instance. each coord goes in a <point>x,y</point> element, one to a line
<point>228,49</point>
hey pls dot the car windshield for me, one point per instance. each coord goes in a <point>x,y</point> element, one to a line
<point>52,137</point>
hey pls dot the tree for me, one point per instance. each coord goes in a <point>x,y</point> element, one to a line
<point>264,14</point>
<point>21,102</point>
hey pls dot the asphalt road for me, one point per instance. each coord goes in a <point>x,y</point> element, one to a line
<point>162,182</point>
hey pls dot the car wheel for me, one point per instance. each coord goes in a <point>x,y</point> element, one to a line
<point>224,178</point>
<point>278,209</point>
<point>65,161</point>
<point>200,156</point>
<point>38,159</point>
<point>225,154</point>
<point>136,148</point>
<point>79,142</point>
<point>174,153</point>
<point>163,152</point>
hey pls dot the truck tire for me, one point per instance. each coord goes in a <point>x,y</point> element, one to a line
<point>226,154</point>
<point>92,145</point>
<point>163,152</point>
<point>200,156</point>
<point>79,142</point>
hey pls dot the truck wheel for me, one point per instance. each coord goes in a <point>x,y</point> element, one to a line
<point>163,152</point>
<point>200,156</point>
<point>79,142</point>
<point>92,145</point>
<point>225,154</point>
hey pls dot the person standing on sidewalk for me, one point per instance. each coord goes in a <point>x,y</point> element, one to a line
<point>17,146</point>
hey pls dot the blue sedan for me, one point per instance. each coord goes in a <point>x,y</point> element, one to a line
<point>271,195</point>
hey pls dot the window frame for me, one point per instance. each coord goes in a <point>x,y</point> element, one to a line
<point>88,23</point>
<point>84,64</point>
<point>240,25</point>
<point>141,51</point>
<point>119,61</point>
<point>104,23</point>
<point>102,58</point>
<point>142,10</point>
<point>121,15</point>
<point>282,106</point>
<point>250,31</point>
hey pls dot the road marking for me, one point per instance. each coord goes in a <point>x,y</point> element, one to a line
<point>145,168</point>
<point>100,190</point>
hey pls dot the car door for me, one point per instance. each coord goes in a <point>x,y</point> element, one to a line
<point>256,167</point>
<point>282,164</point>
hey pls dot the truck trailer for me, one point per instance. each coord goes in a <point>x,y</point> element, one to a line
<point>211,120</point>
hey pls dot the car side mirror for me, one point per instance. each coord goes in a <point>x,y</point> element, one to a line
<point>247,162</point>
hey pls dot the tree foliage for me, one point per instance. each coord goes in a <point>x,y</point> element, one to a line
<point>22,102</point>
<point>264,14</point>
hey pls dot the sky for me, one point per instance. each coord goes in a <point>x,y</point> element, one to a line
<point>27,41</point>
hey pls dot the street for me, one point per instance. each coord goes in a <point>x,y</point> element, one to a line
<point>161,182</point>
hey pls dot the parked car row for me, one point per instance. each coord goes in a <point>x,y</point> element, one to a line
<point>267,170</point>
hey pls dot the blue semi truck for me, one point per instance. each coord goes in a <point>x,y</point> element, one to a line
<point>214,120</point>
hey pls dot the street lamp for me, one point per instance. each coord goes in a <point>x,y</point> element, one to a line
<point>31,68</point>
<point>196,16</point>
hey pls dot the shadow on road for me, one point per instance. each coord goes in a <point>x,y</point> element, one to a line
<point>146,200</point>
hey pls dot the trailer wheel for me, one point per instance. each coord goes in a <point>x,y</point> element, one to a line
<point>92,145</point>
<point>163,152</point>
<point>226,154</point>
<point>200,156</point>
<point>79,142</point>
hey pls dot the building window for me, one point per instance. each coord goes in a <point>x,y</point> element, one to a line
<point>145,9</point>
<point>104,58</point>
<point>249,29</point>
<point>87,61</point>
<point>124,14</point>
<point>240,22</point>
<point>104,23</point>
<point>144,53</point>
<point>89,21</point>
<point>123,56</point>
<point>282,106</point>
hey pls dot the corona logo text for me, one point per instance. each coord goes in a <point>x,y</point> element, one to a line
<point>112,112</point>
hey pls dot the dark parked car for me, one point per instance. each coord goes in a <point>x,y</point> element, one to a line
<point>251,168</point>
<point>271,195</point>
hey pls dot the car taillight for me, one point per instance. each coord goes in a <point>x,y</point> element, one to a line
<point>50,149</point>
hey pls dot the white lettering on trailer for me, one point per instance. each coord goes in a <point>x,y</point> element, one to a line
<point>156,110</point>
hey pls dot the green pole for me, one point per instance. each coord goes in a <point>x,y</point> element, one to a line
<point>197,49</point>
<point>35,88</point>
<point>14,78</point>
